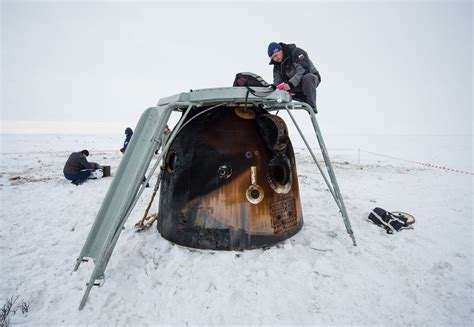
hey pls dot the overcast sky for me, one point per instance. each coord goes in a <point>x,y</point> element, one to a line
<point>386,67</point>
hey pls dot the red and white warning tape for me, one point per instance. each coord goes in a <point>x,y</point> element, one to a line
<point>442,167</point>
<point>426,164</point>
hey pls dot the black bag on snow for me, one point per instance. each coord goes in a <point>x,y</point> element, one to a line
<point>391,221</point>
<point>249,79</point>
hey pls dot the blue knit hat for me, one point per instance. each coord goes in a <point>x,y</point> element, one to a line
<point>273,47</point>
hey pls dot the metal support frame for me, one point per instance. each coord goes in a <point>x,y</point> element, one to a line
<point>109,223</point>
<point>127,187</point>
<point>334,189</point>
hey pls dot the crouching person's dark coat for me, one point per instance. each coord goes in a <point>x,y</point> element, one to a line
<point>294,66</point>
<point>76,162</point>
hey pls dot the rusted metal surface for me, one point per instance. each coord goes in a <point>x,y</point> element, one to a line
<point>283,215</point>
<point>230,182</point>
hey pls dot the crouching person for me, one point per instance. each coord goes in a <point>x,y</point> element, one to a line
<point>77,169</point>
<point>294,72</point>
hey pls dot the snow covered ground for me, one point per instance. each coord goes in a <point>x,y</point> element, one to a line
<point>422,276</point>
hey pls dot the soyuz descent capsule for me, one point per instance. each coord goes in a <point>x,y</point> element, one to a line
<point>229,181</point>
<point>228,175</point>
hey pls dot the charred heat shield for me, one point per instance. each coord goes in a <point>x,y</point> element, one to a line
<point>229,181</point>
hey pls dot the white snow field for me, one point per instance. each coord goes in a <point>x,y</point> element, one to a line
<point>422,276</point>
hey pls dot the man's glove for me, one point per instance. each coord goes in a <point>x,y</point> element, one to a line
<point>284,87</point>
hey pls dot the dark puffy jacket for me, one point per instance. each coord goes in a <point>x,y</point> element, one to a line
<point>77,162</point>
<point>128,137</point>
<point>294,66</point>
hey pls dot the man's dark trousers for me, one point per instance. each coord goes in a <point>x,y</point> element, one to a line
<point>79,177</point>
<point>306,90</point>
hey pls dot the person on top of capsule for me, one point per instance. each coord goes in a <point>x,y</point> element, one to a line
<point>294,72</point>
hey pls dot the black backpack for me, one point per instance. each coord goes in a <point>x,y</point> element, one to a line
<point>391,221</point>
<point>249,79</point>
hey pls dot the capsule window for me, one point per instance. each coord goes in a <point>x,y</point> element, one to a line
<point>279,175</point>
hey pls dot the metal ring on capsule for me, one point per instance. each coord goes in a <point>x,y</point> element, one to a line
<point>254,192</point>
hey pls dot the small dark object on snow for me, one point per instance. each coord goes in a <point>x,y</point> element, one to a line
<point>106,171</point>
<point>391,221</point>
